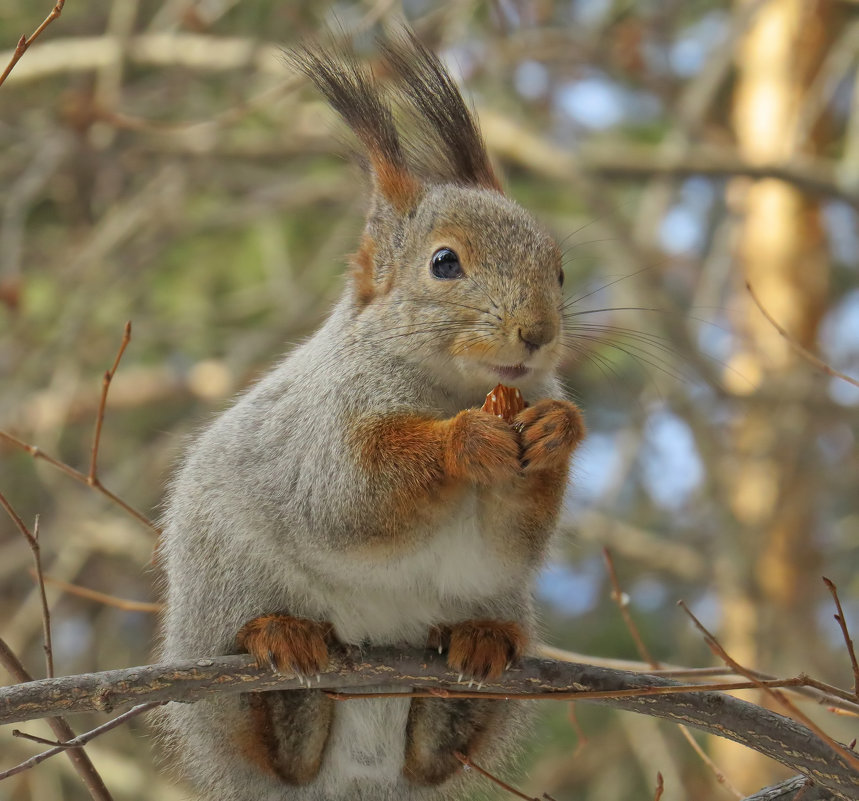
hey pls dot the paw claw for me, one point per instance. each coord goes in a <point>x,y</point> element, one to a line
<point>549,431</point>
<point>480,649</point>
<point>287,644</point>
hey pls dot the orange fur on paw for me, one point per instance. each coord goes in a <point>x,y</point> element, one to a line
<point>482,649</point>
<point>504,402</point>
<point>549,431</point>
<point>482,448</point>
<point>286,643</point>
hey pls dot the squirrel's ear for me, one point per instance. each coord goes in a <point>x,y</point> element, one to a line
<point>353,94</point>
<point>430,90</point>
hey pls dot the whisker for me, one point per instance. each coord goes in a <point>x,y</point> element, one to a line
<point>600,362</point>
<point>639,354</point>
<point>582,312</point>
<point>657,341</point>
<point>588,224</point>
<point>606,286</point>
<point>566,251</point>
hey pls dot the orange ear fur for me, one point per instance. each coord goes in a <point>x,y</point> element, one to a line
<point>363,268</point>
<point>396,184</point>
<point>356,97</point>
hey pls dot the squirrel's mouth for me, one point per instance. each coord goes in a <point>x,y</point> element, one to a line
<point>510,372</point>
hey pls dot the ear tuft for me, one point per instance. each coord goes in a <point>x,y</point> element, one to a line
<point>353,94</point>
<point>431,92</point>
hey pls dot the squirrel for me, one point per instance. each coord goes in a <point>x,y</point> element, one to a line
<point>357,494</point>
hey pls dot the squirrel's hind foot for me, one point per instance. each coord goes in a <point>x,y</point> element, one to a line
<point>439,729</point>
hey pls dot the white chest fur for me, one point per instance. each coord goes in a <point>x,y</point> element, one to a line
<point>442,580</point>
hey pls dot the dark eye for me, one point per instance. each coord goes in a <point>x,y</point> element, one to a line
<point>445,264</point>
<point>561,277</point>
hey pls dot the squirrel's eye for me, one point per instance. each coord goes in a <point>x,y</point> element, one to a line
<point>445,264</point>
<point>561,277</point>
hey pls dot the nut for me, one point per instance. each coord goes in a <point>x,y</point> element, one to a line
<point>504,402</point>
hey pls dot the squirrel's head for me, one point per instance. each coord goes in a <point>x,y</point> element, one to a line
<point>449,270</point>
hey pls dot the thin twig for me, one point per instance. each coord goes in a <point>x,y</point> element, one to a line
<point>125,604</point>
<point>717,772</point>
<point>841,701</point>
<point>799,348</point>
<point>467,763</point>
<point>77,742</point>
<point>796,683</point>
<point>828,692</point>
<point>46,612</point>
<point>33,542</point>
<point>92,477</point>
<point>582,738</point>
<point>41,740</point>
<point>660,787</point>
<point>622,601</point>
<point>835,710</point>
<point>77,756</point>
<point>38,453</point>
<point>780,698</point>
<point>843,623</point>
<point>802,790</point>
<point>24,42</point>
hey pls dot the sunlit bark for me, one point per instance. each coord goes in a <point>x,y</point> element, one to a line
<point>768,574</point>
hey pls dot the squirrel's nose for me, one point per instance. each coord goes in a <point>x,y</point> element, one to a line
<point>536,335</point>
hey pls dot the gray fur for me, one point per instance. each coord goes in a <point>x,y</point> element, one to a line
<point>271,509</point>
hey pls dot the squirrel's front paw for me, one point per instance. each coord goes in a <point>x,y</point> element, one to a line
<point>286,643</point>
<point>549,431</point>
<point>483,649</point>
<point>482,448</point>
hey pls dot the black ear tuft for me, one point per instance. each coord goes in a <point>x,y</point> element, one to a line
<point>430,90</point>
<point>353,94</point>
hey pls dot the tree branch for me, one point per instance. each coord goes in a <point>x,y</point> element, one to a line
<point>80,761</point>
<point>516,143</point>
<point>767,732</point>
<point>793,789</point>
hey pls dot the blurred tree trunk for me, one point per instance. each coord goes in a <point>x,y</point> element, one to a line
<point>768,574</point>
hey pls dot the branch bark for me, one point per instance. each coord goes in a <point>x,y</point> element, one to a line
<point>80,760</point>
<point>793,789</point>
<point>767,732</point>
